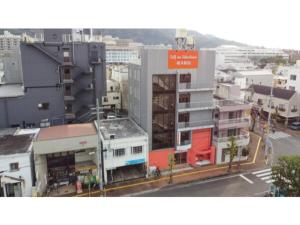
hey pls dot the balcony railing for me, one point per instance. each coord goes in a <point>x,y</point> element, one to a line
<point>182,125</point>
<point>196,105</point>
<point>235,120</point>
<point>243,136</point>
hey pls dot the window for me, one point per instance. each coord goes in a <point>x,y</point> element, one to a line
<point>184,117</point>
<point>119,152</point>
<point>293,77</point>
<point>260,101</point>
<point>185,137</point>
<point>14,166</point>
<point>185,78</point>
<point>292,88</point>
<point>184,97</point>
<point>43,106</point>
<point>115,97</point>
<point>294,109</point>
<point>105,99</point>
<point>137,150</point>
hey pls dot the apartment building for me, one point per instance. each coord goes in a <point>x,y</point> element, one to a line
<point>285,102</point>
<point>231,120</point>
<point>171,98</point>
<point>112,100</point>
<point>245,78</point>
<point>9,41</point>
<point>62,77</point>
<point>292,75</point>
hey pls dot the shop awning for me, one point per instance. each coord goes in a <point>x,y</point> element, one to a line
<point>10,180</point>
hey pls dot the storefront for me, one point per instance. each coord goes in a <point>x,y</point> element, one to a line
<point>67,155</point>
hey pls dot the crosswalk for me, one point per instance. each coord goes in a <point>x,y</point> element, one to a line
<point>264,175</point>
<point>278,135</point>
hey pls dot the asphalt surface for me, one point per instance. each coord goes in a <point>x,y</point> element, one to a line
<point>247,185</point>
<point>286,146</point>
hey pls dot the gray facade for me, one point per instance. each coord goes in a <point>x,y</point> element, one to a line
<point>61,81</point>
<point>200,89</point>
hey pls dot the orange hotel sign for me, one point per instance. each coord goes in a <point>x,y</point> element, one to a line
<point>183,59</point>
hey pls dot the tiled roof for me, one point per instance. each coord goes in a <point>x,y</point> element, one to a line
<point>277,92</point>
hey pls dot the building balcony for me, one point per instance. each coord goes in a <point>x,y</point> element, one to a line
<point>185,126</point>
<point>233,123</point>
<point>241,140</point>
<point>232,105</point>
<point>195,106</point>
<point>191,87</point>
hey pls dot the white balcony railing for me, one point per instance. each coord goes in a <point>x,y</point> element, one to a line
<point>235,120</point>
<point>201,105</point>
<point>182,125</point>
<point>243,136</point>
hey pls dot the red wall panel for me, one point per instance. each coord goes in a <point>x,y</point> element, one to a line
<point>160,158</point>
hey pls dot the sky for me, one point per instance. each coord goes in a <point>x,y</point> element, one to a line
<point>269,23</point>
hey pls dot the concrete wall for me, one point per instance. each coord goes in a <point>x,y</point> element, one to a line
<point>24,172</point>
<point>41,172</point>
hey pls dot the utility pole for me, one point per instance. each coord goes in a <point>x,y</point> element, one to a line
<point>99,150</point>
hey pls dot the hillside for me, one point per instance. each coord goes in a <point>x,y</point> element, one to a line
<point>150,36</point>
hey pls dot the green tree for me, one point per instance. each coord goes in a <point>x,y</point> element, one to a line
<point>171,160</point>
<point>286,175</point>
<point>232,151</point>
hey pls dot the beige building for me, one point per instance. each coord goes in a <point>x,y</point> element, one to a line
<point>286,102</point>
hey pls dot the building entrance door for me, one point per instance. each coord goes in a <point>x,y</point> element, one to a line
<point>180,158</point>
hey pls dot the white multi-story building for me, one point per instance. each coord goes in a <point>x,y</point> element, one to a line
<point>125,150</point>
<point>230,55</point>
<point>292,75</point>
<point>231,120</point>
<point>246,78</point>
<point>16,163</point>
<point>112,100</point>
<point>9,41</point>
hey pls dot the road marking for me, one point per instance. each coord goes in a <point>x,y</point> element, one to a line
<point>246,179</point>
<point>167,177</point>
<point>269,181</point>
<point>266,178</point>
<point>261,171</point>
<point>278,135</point>
<point>264,174</point>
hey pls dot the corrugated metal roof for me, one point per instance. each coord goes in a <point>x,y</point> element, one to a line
<point>277,92</point>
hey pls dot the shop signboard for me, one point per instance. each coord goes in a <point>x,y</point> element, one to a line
<point>183,59</point>
<point>135,161</point>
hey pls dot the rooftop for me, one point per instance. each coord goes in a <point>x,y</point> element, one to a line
<point>11,90</point>
<point>120,128</point>
<point>255,72</point>
<point>66,131</point>
<point>11,144</point>
<point>277,92</point>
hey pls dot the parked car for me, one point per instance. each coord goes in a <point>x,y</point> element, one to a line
<point>294,126</point>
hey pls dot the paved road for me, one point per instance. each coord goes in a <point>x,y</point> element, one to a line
<point>284,144</point>
<point>253,184</point>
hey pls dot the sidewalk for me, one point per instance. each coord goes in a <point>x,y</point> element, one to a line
<point>255,160</point>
